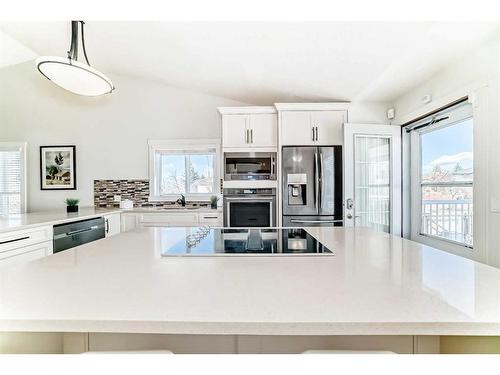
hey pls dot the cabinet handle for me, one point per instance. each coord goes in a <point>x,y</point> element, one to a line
<point>14,240</point>
<point>313,133</point>
<point>210,217</point>
<point>316,133</point>
<point>107,225</point>
<point>251,135</point>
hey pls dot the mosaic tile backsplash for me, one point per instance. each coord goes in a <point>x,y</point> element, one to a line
<point>135,190</point>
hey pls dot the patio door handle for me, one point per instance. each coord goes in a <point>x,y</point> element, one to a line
<point>349,204</point>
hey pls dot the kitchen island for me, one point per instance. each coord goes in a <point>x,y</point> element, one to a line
<point>375,284</point>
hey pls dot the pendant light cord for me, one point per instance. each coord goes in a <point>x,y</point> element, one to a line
<point>83,44</point>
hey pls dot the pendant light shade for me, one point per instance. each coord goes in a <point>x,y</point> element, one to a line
<point>72,75</point>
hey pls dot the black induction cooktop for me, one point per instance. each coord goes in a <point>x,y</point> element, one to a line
<point>204,241</point>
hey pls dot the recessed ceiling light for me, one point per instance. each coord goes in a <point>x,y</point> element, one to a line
<point>72,75</point>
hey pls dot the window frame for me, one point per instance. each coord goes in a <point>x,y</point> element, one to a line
<point>181,146</point>
<point>456,115</point>
<point>22,147</point>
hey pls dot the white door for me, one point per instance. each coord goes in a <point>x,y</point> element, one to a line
<point>263,130</point>
<point>235,131</point>
<point>296,129</point>
<point>329,127</point>
<point>372,177</point>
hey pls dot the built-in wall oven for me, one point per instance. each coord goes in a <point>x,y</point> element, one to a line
<point>245,208</point>
<point>249,166</point>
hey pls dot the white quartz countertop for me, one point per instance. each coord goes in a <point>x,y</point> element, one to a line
<point>375,284</point>
<point>33,219</point>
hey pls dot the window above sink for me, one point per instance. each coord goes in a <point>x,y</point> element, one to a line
<point>187,167</point>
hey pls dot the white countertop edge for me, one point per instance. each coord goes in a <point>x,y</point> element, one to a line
<point>97,213</point>
<point>253,328</point>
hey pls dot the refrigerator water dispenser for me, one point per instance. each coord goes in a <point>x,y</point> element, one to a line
<point>297,188</point>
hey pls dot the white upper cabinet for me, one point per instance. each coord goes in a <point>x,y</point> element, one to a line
<point>296,129</point>
<point>263,130</point>
<point>313,124</point>
<point>249,127</point>
<point>235,131</point>
<point>329,127</point>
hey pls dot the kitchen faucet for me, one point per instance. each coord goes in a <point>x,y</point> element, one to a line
<point>182,200</point>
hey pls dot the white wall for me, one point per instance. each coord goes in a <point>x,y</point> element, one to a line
<point>369,112</point>
<point>110,132</point>
<point>477,73</point>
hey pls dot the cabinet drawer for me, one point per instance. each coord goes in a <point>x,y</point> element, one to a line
<point>25,254</point>
<point>25,237</point>
<point>174,218</point>
<point>214,219</point>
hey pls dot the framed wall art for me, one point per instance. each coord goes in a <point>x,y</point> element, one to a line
<point>57,168</point>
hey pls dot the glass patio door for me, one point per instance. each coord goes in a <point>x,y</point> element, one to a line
<point>373,177</point>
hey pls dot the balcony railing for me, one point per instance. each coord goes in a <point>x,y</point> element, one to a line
<point>448,219</point>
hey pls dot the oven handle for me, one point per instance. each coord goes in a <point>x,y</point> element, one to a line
<point>316,221</point>
<point>266,199</point>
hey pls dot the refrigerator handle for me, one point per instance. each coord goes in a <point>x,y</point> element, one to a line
<point>316,180</point>
<point>320,180</point>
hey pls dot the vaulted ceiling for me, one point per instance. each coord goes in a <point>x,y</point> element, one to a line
<point>262,63</point>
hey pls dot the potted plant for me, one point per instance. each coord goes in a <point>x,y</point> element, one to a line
<point>72,204</point>
<point>213,201</point>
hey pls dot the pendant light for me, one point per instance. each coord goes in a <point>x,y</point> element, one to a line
<point>72,75</point>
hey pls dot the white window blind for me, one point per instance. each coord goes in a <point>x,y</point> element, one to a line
<point>11,179</point>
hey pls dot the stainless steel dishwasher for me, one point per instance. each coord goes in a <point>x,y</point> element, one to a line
<point>76,233</point>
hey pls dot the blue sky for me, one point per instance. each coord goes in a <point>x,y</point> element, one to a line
<point>447,146</point>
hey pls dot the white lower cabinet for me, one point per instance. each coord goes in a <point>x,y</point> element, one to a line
<point>174,219</point>
<point>25,253</point>
<point>23,245</point>
<point>112,224</point>
<point>128,221</point>
<point>132,220</point>
<point>24,237</point>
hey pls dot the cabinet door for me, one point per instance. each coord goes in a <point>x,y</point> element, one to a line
<point>128,221</point>
<point>112,224</point>
<point>263,130</point>
<point>234,131</point>
<point>25,254</point>
<point>329,127</point>
<point>171,219</point>
<point>296,128</point>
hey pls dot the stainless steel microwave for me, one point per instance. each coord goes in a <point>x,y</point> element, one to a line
<point>249,166</point>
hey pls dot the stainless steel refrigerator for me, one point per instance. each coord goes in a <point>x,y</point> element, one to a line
<point>312,186</point>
